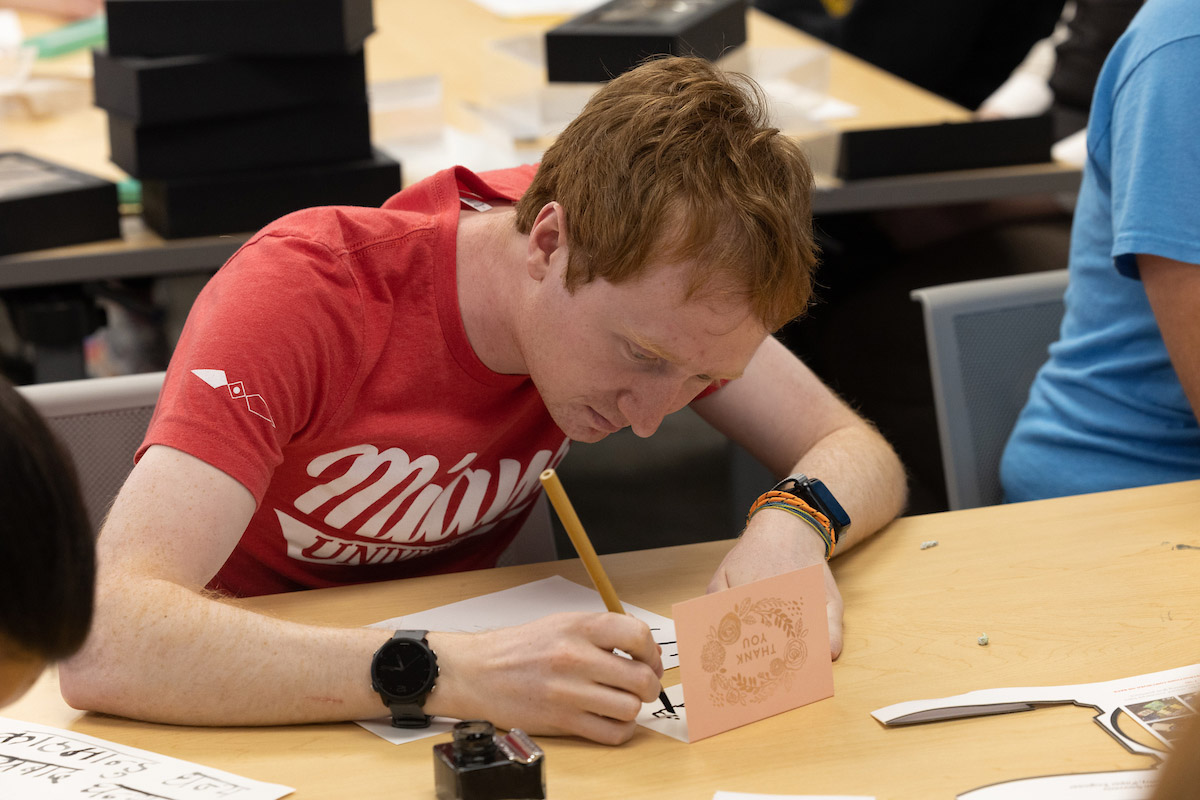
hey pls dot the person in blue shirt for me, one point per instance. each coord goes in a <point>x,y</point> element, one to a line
<point>1115,405</point>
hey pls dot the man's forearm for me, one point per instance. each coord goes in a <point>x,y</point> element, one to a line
<point>163,653</point>
<point>864,474</point>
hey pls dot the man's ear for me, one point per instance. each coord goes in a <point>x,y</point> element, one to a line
<point>546,238</point>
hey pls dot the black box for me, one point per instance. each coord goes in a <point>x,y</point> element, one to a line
<point>245,201</point>
<point>601,44</point>
<point>177,88</point>
<point>237,27</point>
<point>308,135</point>
<point>43,204</point>
<point>885,152</point>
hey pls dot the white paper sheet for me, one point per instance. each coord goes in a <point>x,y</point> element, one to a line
<point>1123,785</point>
<point>46,763</point>
<point>11,33</point>
<point>1166,694</point>
<point>534,8</point>
<point>749,796</point>
<point>503,609</point>
<point>383,728</point>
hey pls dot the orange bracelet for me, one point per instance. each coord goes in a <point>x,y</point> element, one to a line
<point>785,501</point>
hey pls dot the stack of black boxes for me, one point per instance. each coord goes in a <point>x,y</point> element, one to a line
<point>233,113</point>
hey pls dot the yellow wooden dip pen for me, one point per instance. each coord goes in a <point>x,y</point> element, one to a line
<point>587,553</point>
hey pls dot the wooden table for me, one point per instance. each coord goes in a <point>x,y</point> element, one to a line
<point>1073,590</point>
<point>451,39</point>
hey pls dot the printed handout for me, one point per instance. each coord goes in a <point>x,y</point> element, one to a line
<point>1159,701</point>
<point>1123,785</point>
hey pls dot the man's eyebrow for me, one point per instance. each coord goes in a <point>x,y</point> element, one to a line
<point>665,355</point>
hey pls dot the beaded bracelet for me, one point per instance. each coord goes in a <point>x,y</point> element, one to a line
<point>785,501</point>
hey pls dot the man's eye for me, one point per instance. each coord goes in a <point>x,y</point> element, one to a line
<point>705,378</point>
<point>641,355</point>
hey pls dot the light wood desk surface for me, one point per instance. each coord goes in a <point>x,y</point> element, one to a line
<point>1074,590</point>
<point>451,39</point>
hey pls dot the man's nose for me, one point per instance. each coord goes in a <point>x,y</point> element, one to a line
<point>647,403</point>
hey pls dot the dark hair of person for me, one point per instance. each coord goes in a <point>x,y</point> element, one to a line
<point>47,550</point>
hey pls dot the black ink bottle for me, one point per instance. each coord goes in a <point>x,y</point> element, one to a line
<point>479,765</point>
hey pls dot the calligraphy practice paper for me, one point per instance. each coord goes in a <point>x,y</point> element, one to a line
<point>506,608</point>
<point>753,651</point>
<point>46,763</point>
<point>1158,701</point>
<point>657,718</point>
<point>1124,785</point>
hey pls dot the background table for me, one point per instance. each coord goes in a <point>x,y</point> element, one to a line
<point>1073,590</point>
<point>450,39</point>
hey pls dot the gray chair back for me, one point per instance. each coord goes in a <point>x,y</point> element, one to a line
<point>986,341</point>
<point>101,421</point>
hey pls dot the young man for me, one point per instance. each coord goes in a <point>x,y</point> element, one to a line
<point>47,558</point>
<point>368,394</point>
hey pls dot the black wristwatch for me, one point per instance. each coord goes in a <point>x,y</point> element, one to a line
<point>404,672</point>
<point>817,495</point>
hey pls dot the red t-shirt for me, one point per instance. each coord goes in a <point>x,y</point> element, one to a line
<point>326,368</point>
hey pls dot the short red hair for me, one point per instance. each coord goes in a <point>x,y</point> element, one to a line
<point>675,159</point>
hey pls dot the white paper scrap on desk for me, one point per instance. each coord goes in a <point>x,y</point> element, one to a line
<point>788,102</point>
<point>515,606</point>
<point>11,33</point>
<point>384,729</point>
<point>751,796</point>
<point>536,8</point>
<point>1158,701</point>
<point>55,764</point>
<point>1134,784</point>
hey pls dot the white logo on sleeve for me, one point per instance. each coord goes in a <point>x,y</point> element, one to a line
<point>255,403</point>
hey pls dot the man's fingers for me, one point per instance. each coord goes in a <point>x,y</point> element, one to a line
<point>629,635</point>
<point>835,630</point>
<point>604,730</point>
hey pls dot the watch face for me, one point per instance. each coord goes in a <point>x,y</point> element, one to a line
<point>829,504</point>
<point>817,495</point>
<point>404,668</point>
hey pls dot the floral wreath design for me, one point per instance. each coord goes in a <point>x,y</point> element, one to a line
<point>741,688</point>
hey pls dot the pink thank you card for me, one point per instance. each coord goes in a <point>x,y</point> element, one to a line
<point>753,651</point>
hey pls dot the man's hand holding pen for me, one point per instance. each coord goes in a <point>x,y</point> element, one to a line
<point>557,675</point>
